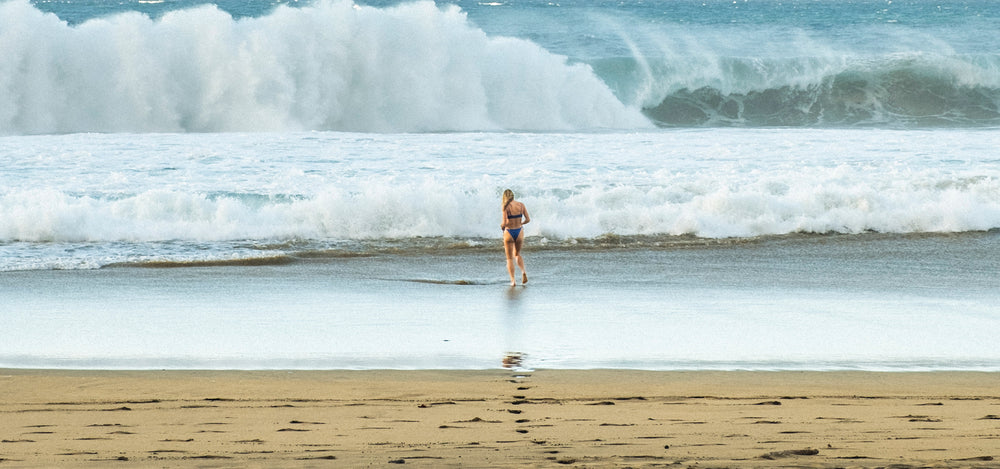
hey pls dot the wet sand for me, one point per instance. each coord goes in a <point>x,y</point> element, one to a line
<point>873,303</point>
<point>497,418</point>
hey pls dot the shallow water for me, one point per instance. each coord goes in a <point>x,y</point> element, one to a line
<point>854,302</point>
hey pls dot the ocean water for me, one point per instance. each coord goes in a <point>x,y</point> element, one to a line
<point>713,185</point>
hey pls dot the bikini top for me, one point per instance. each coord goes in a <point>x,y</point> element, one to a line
<point>509,216</point>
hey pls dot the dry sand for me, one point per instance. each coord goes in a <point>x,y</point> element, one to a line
<point>498,418</point>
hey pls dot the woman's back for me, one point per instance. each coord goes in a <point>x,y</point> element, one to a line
<point>515,214</point>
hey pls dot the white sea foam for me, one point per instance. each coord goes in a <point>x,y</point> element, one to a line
<point>838,200</point>
<point>335,187</point>
<point>331,66</point>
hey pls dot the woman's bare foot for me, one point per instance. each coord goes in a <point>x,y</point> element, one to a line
<point>524,278</point>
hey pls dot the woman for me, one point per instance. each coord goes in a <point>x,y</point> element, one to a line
<point>513,217</point>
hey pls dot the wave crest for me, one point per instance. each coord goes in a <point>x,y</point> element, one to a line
<point>906,91</point>
<point>331,66</point>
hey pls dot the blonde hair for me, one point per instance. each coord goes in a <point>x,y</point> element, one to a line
<point>508,196</point>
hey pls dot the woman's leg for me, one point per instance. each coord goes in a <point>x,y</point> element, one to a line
<point>509,248</point>
<point>520,260</point>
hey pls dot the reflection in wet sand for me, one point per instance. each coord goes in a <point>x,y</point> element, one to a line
<point>512,320</point>
<point>513,360</point>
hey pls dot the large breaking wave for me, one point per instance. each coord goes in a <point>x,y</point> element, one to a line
<point>902,90</point>
<point>331,66</point>
<point>418,67</point>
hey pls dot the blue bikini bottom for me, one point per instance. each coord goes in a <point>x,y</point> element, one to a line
<point>514,233</point>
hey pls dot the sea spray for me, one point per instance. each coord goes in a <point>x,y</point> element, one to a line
<point>331,66</point>
<point>904,91</point>
<point>419,67</point>
<point>685,69</point>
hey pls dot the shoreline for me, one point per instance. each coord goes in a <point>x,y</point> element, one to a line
<point>498,418</point>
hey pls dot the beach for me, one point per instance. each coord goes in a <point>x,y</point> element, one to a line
<point>265,234</point>
<point>497,418</point>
